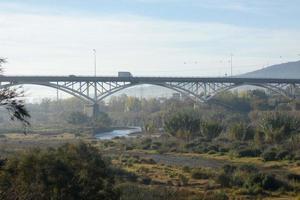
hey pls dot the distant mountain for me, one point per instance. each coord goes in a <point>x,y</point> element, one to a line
<point>284,70</point>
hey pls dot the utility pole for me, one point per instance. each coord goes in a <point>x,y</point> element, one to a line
<point>95,62</point>
<point>231,55</point>
<point>95,105</point>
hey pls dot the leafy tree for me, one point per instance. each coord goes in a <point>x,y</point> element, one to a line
<point>77,118</point>
<point>241,131</point>
<point>103,120</point>
<point>211,129</point>
<point>279,126</point>
<point>9,99</point>
<point>69,172</point>
<point>183,124</point>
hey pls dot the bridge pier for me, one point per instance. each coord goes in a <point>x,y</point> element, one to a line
<point>95,110</point>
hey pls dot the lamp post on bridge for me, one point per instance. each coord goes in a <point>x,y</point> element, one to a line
<point>95,105</point>
<point>95,62</point>
<point>231,55</point>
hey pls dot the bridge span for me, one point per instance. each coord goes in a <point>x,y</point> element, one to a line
<point>94,89</point>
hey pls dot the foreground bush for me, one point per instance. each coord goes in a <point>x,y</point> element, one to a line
<point>250,178</point>
<point>69,172</point>
<point>139,192</point>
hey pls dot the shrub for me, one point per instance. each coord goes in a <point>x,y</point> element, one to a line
<point>229,169</point>
<point>213,148</point>
<point>211,195</point>
<point>294,177</point>
<point>265,181</point>
<point>282,155</point>
<point>146,180</point>
<point>250,168</point>
<point>249,153</point>
<point>125,175</point>
<point>140,192</point>
<point>271,183</point>
<point>269,155</point>
<point>69,172</point>
<point>211,129</point>
<point>183,180</point>
<point>212,152</point>
<point>224,180</point>
<point>200,174</point>
<point>148,161</point>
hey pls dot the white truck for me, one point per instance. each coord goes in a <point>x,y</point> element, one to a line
<point>124,74</point>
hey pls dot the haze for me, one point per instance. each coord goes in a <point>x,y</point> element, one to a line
<point>147,37</point>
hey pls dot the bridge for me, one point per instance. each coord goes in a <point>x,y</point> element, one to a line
<point>94,89</point>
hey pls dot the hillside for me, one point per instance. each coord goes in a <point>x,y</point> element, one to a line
<point>284,70</point>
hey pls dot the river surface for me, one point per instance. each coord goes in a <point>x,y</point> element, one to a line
<point>118,133</point>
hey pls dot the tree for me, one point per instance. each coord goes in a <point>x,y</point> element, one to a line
<point>69,172</point>
<point>77,118</point>
<point>103,120</point>
<point>9,99</point>
<point>279,126</point>
<point>183,124</point>
<point>241,132</point>
<point>211,129</point>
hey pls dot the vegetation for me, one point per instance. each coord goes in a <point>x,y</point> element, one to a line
<point>248,149</point>
<point>69,172</point>
<point>9,99</point>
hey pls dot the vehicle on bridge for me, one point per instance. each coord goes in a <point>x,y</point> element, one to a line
<point>124,74</point>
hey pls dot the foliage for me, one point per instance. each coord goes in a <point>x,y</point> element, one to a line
<point>103,120</point>
<point>185,123</point>
<point>241,132</point>
<point>133,191</point>
<point>201,173</point>
<point>249,152</point>
<point>279,126</point>
<point>9,99</point>
<point>248,177</point>
<point>77,118</point>
<point>211,129</point>
<point>69,172</point>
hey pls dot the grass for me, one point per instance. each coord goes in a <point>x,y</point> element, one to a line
<point>160,175</point>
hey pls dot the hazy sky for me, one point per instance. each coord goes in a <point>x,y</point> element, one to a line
<point>147,37</point>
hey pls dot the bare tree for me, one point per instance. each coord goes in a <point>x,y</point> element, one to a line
<point>9,99</point>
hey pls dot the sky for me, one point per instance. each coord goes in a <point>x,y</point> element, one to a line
<point>147,37</point>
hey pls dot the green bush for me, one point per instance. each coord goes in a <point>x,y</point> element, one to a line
<point>294,177</point>
<point>271,183</point>
<point>69,172</point>
<point>224,180</point>
<point>269,155</point>
<point>248,153</point>
<point>282,155</point>
<point>141,192</point>
<point>201,174</point>
<point>211,195</point>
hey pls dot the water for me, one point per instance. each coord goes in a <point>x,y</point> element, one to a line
<point>118,133</point>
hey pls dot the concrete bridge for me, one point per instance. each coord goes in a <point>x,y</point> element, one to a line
<point>94,89</point>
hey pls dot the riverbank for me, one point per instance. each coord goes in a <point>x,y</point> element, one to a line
<point>120,132</point>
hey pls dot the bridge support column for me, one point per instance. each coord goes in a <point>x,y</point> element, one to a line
<point>95,110</point>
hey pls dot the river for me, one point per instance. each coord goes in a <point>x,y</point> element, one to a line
<point>118,133</point>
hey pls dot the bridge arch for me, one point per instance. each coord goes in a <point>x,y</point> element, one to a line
<point>175,87</point>
<point>117,89</point>
<point>272,88</point>
<point>65,89</point>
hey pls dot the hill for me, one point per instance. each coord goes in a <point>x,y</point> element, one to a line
<point>284,70</point>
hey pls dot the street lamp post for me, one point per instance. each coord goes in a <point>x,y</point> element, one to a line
<point>231,55</point>
<point>95,62</point>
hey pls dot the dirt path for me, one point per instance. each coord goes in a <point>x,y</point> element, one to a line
<point>190,161</point>
<point>178,160</point>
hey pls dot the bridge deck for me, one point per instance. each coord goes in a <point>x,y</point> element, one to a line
<point>145,79</point>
